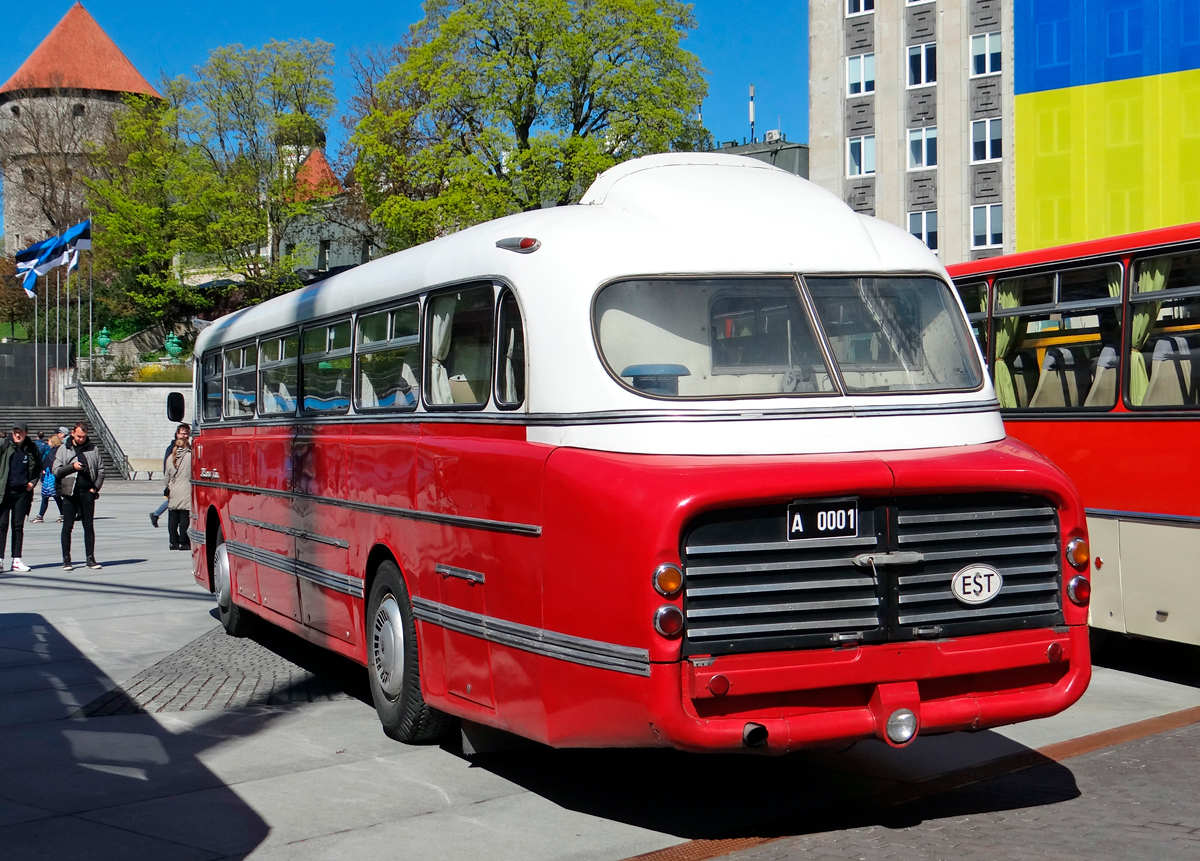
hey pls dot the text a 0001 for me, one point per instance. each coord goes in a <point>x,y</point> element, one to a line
<point>828,519</point>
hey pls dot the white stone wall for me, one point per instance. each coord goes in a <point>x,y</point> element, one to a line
<point>136,413</point>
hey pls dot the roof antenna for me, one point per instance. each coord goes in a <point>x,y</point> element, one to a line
<point>752,113</point>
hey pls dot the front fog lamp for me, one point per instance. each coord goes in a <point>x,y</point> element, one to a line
<point>1079,590</point>
<point>901,726</point>
<point>1079,554</point>
<point>668,580</point>
<point>668,621</point>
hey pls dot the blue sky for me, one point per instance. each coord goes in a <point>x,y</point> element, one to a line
<point>765,44</point>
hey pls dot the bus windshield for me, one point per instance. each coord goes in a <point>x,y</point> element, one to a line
<point>741,337</point>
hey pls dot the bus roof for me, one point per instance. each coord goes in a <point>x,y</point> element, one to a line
<point>685,213</point>
<point>1092,248</point>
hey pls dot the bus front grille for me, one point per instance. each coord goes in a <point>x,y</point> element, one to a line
<point>749,589</point>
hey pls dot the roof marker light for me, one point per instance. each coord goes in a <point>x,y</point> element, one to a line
<point>520,244</point>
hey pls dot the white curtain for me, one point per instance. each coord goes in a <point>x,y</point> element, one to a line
<point>510,379</point>
<point>406,373</point>
<point>369,398</point>
<point>439,347</point>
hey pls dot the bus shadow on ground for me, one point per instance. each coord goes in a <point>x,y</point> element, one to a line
<point>711,796</point>
<point>105,788</point>
<point>1158,659</point>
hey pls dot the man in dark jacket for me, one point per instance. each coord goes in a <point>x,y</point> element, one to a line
<point>20,472</point>
<point>80,476</point>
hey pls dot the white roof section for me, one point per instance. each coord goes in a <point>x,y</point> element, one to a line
<point>690,213</point>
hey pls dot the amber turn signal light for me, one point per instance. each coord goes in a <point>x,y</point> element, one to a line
<point>1078,554</point>
<point>668,621</point>
<point>1079,590</point>
<point>668,580</point>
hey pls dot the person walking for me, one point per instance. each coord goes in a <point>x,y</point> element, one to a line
<point>80,476</point>
<point>49,482</point>
<point>184,431</point>
<point>179,491</point>
<point>20,470</point>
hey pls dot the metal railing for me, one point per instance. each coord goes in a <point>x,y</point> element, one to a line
<point>96,421</point>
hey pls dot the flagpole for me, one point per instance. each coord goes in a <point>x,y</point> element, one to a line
<point>57,320</point>
<point>37,386</point>
<point>47,342</point>
<point>68,312</point>
<point>91,340</point>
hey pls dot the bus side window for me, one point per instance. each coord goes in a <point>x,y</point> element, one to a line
<point>278,374</point>
<point>1166,332</point>
<point>1049,352</point>
<point>211,386</point>
<point>975,299</point>
<point>459,326</point>
<point>241,363</point>
<point>327,362</point>
<point>510,354</point>
<point>389,358</point>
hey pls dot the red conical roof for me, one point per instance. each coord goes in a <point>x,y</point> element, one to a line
<point>78,55</point>
<point>315,178</point>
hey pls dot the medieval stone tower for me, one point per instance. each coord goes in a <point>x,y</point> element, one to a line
<point>58,102</point>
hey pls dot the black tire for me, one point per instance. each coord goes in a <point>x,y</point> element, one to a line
<point>393,665</point>
<point>236,621</point>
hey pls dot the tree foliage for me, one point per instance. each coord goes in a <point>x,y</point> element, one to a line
<point>499,106</point>
<point>203,181</point>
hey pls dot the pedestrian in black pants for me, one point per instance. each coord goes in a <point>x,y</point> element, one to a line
<point>179,492</point>
<point>20,471</point>
<point>80,476</point>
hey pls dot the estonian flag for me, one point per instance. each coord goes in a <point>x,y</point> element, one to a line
<point>79,236</point>
<point>38,259</point>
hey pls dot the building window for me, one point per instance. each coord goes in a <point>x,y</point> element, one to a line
<point>16,110</point>
<point>922,65</point>
<point>860,74</point>
<point>922,148</point>
<point>923,225</point>
<point>986,140</point>
<point>988,226</point>
<point>77,111</point>
<point>860,155</point>
<point>323,255</point>
<point>985,54</point>
<point>858,7</point>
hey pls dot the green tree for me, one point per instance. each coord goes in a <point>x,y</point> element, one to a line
<point>499,106</point>
<point>201,184</point>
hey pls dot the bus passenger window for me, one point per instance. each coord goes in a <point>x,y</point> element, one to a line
<point>389,354</point>
<point>710,338</point>
<point>211,386</point>
<point>240,366</point>
<point>459,326</point>
<point>1165,332</point>
<point>510,354</point>
<point>327,363</point>
<point>975,300</point>
<point>278,373</point>
<point>1050,353</point>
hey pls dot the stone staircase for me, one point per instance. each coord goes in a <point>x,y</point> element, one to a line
<point>49,420</point>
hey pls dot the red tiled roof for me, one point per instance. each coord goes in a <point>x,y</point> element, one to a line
<point>78,55</point>
<point>315,178</point>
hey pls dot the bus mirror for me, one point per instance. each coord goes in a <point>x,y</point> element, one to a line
<point>175,406</point>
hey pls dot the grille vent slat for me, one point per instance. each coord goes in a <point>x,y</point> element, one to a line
<point>749,589</point>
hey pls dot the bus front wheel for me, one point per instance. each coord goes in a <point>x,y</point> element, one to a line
<point>393,665</point>
<point>237,622</point>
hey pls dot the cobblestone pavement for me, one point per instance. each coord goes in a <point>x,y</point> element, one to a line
<point>1137,800</point>
<point>216,671</point>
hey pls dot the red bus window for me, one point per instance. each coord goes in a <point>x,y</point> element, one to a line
<point>1165,321</point>
<point>459,326</point>
<point>211,386</point>
<point>389,359</point>
<point>510,354</point>
<point>327,365</point>
<point>279,375</point>
<point>241,364</point>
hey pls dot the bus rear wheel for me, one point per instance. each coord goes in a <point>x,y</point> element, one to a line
<point>236,621</point>
<point>393,665</point>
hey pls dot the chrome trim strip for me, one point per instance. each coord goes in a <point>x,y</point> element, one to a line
<point>967,615</point>
<point>982,514</point>
<point>195,536</point>
<point>295,533</point>
<point>550,644</point>
<point>860,622</point>
<point>334,580</point>
<point>406,513</point>
<point>636,416</point>
<point>461,573</point>
<point>1144,516</point>
<point>802,544</point>
<point>971,534</point>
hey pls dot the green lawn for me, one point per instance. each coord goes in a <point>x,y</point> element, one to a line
<point>6,331</point>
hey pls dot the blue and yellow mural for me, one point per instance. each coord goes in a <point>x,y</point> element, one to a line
<point>1107,117</point>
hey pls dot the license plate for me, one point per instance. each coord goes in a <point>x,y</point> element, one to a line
<point>830,518</point>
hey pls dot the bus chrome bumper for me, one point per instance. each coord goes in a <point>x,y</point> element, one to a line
<point>830,696</point>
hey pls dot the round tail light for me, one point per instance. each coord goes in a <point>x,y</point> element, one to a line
<point>668,580</point>
<point>668,621</point>
<point>1079,590</point>
<point>1079,554</point>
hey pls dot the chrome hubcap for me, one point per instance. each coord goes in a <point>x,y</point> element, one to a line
<point>387,647</point>
<point>221,579</point>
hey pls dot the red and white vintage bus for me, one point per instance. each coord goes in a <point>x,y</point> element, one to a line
<point>1091,349</point>
<point>708,461</point>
